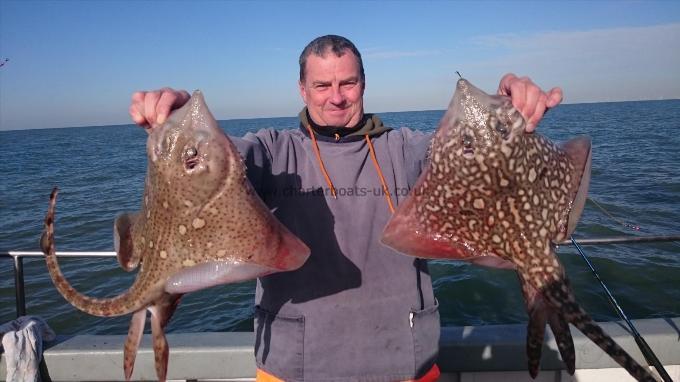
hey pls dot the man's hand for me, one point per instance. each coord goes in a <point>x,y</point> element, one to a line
<point>528,98</point>
<point>151,109</point>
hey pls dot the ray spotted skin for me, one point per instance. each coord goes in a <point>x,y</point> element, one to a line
<point>201,224</point>
<point>497,196</point>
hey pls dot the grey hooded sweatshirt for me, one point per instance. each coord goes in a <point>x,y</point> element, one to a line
<point>356,310</point>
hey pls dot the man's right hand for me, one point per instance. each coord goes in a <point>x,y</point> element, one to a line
<point>151,109</point>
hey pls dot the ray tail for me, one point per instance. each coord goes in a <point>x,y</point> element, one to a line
<point>161,312</point>
<point>132,341</point>
<point>542,314</point>
<point>558,293</point>
<point>124,303</point>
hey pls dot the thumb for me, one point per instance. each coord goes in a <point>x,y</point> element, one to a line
<point>554,97</point>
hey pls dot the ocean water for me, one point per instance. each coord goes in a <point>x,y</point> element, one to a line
<point>100,171</point>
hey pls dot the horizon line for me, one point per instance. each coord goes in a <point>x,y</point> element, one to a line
<point>295,116</point>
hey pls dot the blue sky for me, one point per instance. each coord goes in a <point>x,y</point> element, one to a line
<point>76,63</point>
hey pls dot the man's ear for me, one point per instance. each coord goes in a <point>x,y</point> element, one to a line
<point>303,91</point>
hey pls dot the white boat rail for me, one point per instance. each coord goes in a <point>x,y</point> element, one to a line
<point>18,256</point>
<point>18,263</point>
<point>489,352</point>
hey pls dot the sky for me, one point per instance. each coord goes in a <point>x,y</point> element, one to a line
<point>76,63</point>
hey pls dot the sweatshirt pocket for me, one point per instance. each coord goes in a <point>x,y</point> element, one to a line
<point>425,328</point>
<point>279,344</point>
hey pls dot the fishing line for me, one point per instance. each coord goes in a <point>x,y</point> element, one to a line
<point>634,227</point>
<point>627,225</point>
<point>647,352</point>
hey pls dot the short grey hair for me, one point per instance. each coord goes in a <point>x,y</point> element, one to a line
<point>337,44</point>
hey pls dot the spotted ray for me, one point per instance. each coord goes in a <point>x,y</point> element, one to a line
<point>497,196</point>
<point>201,224</point>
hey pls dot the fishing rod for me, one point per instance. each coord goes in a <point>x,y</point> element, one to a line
<point>623,239</point>
<point>647,352</point>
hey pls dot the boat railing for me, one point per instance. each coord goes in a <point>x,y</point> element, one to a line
<point>488,352</point>
<point>18,265</point>
<point>18,256</point>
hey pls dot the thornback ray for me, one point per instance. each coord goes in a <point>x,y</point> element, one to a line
<point>201,224</point>
<point>495,195</point>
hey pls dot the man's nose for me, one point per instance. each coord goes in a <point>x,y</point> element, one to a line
<point>336,96</point>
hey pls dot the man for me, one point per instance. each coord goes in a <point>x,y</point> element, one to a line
<point>356,311</point>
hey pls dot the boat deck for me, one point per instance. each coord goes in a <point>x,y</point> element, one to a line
<point>470,353</point>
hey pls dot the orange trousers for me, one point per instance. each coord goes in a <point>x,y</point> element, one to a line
<point>430,376</point>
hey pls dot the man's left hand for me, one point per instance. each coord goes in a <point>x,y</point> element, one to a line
<point>528,98</point>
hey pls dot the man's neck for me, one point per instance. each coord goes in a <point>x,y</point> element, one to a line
<point>333,130</point>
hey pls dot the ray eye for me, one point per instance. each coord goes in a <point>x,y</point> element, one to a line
<point>191,152</point>
<point>190,158</point>
<point>502,130</point>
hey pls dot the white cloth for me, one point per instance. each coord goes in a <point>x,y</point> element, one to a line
<point>22,340</point>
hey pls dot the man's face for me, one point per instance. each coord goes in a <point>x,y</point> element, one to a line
<point>333,90</point>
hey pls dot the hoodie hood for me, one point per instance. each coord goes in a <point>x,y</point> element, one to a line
<point>370,125</point>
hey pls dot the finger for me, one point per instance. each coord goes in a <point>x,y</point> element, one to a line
<point>538,114</point>
<point>150,102</point>
<point>554,97</point>
<point>184,97</point>
<point>533,96</point>
<point>137,117</point>
<point>136,109</point>
<point>170,100</point>
<point>518,93</point>
<point>165,104</point>
<point>138,97</point>
<point>504,84</point>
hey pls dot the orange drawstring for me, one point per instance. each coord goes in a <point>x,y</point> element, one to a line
<point>318,157</point>
<point>380,174</point>
<point>386,190</point>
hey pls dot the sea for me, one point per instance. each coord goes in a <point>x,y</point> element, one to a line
<point>635,190</point>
